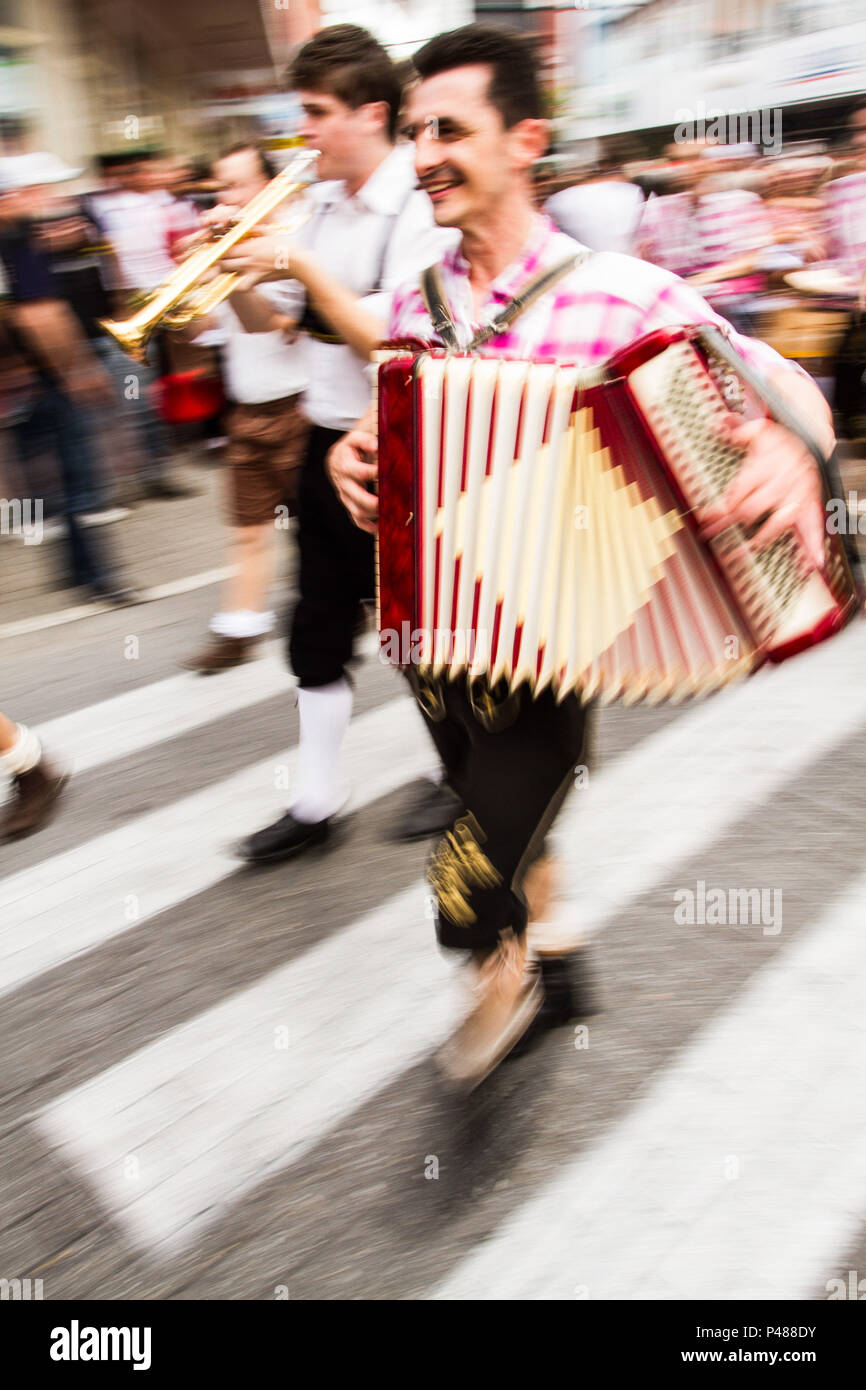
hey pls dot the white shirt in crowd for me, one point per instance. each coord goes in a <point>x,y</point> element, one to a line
<point>347,235</point>
<point>257,367</point>
<point>139,227</point>
<point>603,215</point>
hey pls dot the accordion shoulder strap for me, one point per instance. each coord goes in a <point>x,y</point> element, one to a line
<point>433,294</point>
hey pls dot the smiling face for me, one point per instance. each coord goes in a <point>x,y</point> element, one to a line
<point>467,162</point>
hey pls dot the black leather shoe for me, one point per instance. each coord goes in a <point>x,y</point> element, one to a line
<point>570,989</point>
<point>116,595</point>
<point>285,838</point>
<point>433,809</point>
<point>570,994</point>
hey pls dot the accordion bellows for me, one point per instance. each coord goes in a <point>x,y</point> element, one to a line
<point>536,525</point>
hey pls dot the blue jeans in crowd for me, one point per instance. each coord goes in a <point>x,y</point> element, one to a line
<point>133,382</point>
<point>60,427</point>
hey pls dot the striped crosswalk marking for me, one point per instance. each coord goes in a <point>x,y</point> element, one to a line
<point>740,1175</point>
<point>147,716</point>
<point>681,789</point>
<point>185,1105</point>
<point>119,879</point>
<point>210,1109</point>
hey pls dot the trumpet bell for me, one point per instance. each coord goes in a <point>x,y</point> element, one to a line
<point>132,337</point>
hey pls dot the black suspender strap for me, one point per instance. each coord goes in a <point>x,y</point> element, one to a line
<point>312,321</point>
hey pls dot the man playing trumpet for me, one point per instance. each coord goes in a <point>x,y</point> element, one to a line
<point>371,229</point>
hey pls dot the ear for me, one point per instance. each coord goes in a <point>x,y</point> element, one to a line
<point>376,114</point>
<point>529,141</point>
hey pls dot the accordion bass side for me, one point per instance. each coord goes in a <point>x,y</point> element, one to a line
<point>536,524</point>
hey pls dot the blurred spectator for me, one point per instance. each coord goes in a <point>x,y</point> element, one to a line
<point>602,212</point>
<point>65,377</point>
<point>139,216</point>
<point>668,233</point>
<point>140,222</point>
<point>734,231</point>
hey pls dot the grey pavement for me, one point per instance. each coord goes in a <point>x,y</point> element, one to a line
<point>353,1212</point>
<point>373,1180</point>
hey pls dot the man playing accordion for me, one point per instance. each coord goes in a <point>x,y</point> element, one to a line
<point>476,120</point>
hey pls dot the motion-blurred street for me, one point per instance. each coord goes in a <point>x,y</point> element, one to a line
<point>218,1082</point>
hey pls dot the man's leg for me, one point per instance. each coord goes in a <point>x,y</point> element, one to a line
<point>266,444</point>
<point>89,553</point>
<point>36,784</point>
<point>516,774</point>
<point>336,575</point>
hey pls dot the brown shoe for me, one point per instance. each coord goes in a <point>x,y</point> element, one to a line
<point>507,996</point>
<point>35,793</point>
<point>221,653</point>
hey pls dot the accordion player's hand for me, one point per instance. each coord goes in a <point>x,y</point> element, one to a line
<point>353,473</point>
<point>778,483</point>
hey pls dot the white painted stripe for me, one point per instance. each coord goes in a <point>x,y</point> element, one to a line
<point>187,584</point>
<point>100,1146</point>
<point>741,1174</point>
<point>151,714</point>
<point>85,896</point>
<point>623,832</point>
<point>171,1135</point>
<point>79,611</point>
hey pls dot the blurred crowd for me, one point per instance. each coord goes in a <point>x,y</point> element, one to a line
<point>775,242</point>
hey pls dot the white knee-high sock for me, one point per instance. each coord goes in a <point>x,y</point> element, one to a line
<point>23,755</point>
<point>325,712</point>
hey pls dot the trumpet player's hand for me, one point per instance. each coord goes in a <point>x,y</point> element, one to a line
<point>778,476</point>
<point>352,469</point>
<point>267,254</point>
<point>185,245</point>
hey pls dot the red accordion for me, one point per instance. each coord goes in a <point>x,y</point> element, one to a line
<point>536,524</point>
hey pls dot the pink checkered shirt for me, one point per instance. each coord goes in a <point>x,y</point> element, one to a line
<point>601,306</point>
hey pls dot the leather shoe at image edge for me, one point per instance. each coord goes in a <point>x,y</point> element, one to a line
<point>282,840</point>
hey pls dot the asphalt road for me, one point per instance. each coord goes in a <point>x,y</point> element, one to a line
<point>219,1083</point>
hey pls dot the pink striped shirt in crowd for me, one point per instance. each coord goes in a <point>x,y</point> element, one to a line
<point>604,304</point>
<point>845,213</point>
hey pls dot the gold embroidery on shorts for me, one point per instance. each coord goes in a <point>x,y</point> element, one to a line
<point>458,866</point>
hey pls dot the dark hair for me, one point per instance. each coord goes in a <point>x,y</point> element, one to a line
<point>266,164</point>
<point>514,87</point>
<point>345,61</point>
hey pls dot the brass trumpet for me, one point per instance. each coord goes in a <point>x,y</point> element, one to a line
<point>177,302</point>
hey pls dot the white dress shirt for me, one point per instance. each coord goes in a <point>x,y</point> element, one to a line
<point>257,367</point>
<point>347,235</point>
